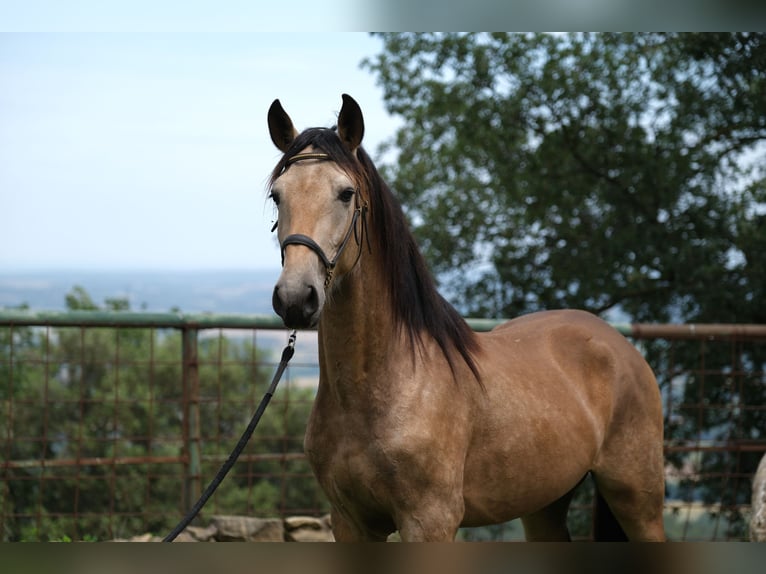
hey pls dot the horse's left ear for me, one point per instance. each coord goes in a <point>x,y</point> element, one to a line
<point>350,123</point>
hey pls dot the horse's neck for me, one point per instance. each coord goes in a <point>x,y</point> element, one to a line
<point>356,329</point>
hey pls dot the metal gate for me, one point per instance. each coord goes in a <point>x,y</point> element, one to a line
<point>112,423</point>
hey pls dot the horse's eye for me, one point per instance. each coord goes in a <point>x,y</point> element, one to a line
<point>346,195</point>
<point>274,197</point>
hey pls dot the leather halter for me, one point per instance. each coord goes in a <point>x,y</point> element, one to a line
<point>305,240</point>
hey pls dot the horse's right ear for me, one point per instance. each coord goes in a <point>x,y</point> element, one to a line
<point>281,127</point>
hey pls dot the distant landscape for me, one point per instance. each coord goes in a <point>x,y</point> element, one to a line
<point>243,291</point>
<point>188,291</point>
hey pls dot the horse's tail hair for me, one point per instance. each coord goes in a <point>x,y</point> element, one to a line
<point>605,525</point>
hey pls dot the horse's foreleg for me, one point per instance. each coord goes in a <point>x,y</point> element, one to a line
<point>417,529</point>
<point>344,530</point>
<point>434,520</point>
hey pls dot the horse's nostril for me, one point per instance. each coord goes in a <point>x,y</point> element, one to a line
<point>311,303</point>
<point>277,304</point>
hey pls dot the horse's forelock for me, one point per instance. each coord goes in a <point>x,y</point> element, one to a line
<point>321,139</point>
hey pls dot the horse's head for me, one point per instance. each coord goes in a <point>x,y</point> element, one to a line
<point>316,188</point>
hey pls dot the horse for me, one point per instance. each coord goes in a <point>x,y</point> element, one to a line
<point>421,425</point>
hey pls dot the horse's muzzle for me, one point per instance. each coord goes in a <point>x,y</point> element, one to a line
<point>299,308</point>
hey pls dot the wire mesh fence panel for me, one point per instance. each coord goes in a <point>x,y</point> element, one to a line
<point>714,393</point>
<point>110,431</point>
<point>112,426</point>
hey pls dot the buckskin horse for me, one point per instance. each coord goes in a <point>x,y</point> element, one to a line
<point>421,425</point>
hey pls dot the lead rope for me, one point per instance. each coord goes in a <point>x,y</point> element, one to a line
<point>287,354</point>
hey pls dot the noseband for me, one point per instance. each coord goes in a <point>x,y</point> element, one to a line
<point>305,240</point>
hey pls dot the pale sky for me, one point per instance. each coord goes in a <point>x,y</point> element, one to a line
<point>151,151</point>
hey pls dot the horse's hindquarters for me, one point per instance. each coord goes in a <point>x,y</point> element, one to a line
<point>566,395</point>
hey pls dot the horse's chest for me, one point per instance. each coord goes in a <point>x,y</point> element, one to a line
<point>371,457</point>
<point>349,467</point>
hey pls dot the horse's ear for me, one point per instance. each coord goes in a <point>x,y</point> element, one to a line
<point>350,123</point>
<point>281,127</point>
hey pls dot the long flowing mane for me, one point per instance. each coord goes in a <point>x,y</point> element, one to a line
<point>417,305</point>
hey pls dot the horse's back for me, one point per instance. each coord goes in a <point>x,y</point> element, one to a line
<point>545,321</point>
<point>572,352</point>
<point>577,340</point>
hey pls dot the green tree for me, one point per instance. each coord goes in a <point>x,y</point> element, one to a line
<point>600,171</point>
<point>618,173</point>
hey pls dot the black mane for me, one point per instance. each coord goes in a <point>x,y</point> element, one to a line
<point>417,305</point>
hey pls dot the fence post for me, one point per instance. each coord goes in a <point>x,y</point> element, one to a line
<point>191,421</point>
<point>758,507</point>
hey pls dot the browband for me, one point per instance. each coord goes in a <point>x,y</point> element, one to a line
<point>307,155</point>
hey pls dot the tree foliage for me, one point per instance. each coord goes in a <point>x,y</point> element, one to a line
<point>102,394</point>
<point>599,171</point>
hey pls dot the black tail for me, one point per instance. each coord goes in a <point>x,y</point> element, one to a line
<point>605,525</point>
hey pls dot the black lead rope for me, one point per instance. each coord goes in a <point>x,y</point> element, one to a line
<point>287,354</point>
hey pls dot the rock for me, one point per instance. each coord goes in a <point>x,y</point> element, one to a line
<point>310,536</point>
<point>247,529</point>
<point>199,533</point>
<point>308,529</point>
<point>186,537</point>
<point>301,522</point>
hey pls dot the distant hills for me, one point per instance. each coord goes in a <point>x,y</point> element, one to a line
<point>188,291</point>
